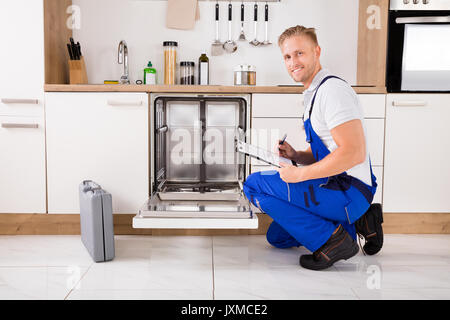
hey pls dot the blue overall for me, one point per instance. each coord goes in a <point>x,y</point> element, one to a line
<point>307,213</point>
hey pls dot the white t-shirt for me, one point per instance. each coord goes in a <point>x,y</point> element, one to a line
<point>336,103</point>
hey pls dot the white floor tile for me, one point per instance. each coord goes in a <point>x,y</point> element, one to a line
<point>279,283</point>
<point>244,251</point>
<point>139,295</point>
<point>38,283</point>
<point>43,251</point>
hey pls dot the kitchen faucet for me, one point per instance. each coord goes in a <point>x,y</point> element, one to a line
<point>123,58</point>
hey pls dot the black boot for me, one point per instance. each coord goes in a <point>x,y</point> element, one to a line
<point>369,227</point>
<point>339,246</point>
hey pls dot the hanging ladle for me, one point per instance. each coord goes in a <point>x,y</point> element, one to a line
<point>255,42</point>
<point>230,46</point>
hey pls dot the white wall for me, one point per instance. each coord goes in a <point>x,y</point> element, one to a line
<point>142,24</point>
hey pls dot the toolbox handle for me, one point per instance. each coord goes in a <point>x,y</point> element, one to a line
<point>90,185</point>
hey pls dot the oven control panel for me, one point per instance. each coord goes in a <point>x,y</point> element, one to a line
<point>419,5</point>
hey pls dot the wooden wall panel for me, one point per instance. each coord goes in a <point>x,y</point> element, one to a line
<point>56,35</point>
<point>372,42</point>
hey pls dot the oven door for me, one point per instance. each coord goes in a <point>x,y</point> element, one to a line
<point>418,51</point>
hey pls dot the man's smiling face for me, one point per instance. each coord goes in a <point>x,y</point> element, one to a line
<point>301,57</point>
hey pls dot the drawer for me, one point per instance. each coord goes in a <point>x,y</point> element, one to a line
<point>266,132</point>
<point>375,139</point>
<point>277,105</point>
<point>374,105</point>
<point>377,171</point>
<point>21,107</point>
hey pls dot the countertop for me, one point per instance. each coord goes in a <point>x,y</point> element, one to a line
<point>190,88</point>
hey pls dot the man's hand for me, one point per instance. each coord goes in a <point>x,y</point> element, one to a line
<point>291,174</point>
<point>285,150</point>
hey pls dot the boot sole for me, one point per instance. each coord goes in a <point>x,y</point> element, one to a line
<point>352,251</point>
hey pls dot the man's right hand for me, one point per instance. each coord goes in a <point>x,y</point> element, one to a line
<point>285,150</point>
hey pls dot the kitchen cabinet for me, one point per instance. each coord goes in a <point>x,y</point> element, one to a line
<point>416,171</point>
<point>101,137</point>
<point>22,164</point>
<point>22,53</point>
<point>22,126</point>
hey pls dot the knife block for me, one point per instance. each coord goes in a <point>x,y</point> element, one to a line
<point>77,71</point>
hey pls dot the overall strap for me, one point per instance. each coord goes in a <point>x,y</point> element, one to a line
<point>315,93</point>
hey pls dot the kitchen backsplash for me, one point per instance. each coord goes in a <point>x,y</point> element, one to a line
<point>142,25</point>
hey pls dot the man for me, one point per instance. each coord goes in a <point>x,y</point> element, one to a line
<point>317,205</point>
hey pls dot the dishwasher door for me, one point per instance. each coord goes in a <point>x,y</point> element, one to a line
<point>196,214</point>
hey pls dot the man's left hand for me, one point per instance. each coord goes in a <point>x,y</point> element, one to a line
<point>291,174</point>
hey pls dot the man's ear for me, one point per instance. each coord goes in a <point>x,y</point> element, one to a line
<point>318,51</point>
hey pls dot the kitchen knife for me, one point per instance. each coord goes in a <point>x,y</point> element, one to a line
<point>79,49</point>
<point>70,51</point>
<point>74,49</point>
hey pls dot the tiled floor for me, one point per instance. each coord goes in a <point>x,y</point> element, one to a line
<point>219,267</point>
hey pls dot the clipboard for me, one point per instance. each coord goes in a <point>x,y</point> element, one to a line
<point>262,154</point>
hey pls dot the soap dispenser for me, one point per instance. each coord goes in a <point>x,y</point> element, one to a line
<point>149,74</point>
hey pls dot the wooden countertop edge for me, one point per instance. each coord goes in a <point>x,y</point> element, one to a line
<point>189,89</point>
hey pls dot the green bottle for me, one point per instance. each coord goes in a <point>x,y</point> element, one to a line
<point>149,74</point>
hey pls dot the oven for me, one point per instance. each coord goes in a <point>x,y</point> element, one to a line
<point>418,57</point>
<point>196,174</point>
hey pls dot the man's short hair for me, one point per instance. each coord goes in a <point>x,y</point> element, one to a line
<point>298,31</point>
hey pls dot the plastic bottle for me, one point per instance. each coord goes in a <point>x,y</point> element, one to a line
<point>149,74</point>
<point>203,70</point>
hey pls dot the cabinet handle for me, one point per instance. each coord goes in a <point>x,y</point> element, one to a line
<point>114,103</point>
<point>20,125</point>
<point>20,101</point>
<point>409,103</point>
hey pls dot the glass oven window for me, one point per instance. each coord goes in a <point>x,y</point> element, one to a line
<point>426,57</point>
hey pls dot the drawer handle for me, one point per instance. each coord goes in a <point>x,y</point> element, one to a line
<point>115,103</point>
<point>409,103</point>
<point>20,125</point>
<point>20,101</point>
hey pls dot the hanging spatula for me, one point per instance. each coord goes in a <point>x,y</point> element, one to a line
<point>217,46</point>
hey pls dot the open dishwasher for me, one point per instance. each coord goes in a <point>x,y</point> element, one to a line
<point>196,173</point>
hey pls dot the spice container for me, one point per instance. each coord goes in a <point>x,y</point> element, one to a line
<point>187,72</point>
<point>170,61</point>
<point>244,75</point>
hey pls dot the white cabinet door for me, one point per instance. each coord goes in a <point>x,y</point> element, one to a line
<point>22,50</point>
<point>375,140</point>
<point>417,153</point>
<point>22,165</point>
<point>101,137</point>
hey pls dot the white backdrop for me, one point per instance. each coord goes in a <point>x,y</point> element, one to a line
<point>142,25</point>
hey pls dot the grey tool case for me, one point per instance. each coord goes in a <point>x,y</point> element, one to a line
<point>96,221</point>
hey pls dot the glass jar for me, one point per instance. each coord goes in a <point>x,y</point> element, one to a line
<point>244,75</point>
<point>170,61</point>
<point>187,72</point>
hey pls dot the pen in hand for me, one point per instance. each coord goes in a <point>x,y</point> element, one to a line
<point>281,142</point>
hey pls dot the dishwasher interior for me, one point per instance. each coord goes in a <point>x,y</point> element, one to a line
<point>196,173</point>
